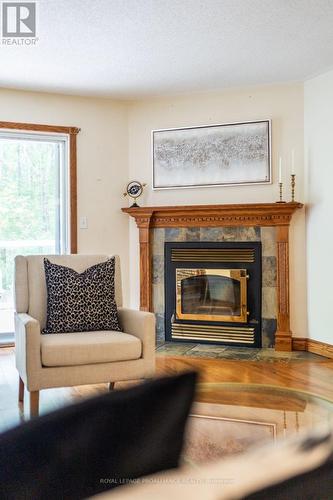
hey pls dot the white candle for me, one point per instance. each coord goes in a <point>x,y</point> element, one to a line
<point>292,161</point>
<point>280,170</point>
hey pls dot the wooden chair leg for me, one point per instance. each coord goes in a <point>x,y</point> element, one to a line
<point>34,404</point>
<point>111,386</point>
<point>21,390</point>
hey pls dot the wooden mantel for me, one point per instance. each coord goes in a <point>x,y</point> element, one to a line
<point>254,214</point>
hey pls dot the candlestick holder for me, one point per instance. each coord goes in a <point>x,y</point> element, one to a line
<point>293,183</point>
<point>281,196</point>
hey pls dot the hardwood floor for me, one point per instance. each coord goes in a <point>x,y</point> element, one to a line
<point>315,377</point>
<point>312,374</point>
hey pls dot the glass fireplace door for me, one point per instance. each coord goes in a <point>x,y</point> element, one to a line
<point>211,294</point>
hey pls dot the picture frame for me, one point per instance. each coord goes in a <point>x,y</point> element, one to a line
<point>226,154</point>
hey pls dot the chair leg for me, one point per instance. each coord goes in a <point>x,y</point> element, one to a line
<point>34,404</point>
<point>111,386</point>
<point>21,390</point>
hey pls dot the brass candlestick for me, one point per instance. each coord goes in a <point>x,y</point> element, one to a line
<point>281,188</point>
<point>293,183</point>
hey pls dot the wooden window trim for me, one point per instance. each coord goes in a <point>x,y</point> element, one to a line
<point>72,133</point>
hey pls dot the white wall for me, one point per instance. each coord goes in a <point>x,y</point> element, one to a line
<point>102,161</point>
<point>283,104</point>
<point>318,119</point>
<point>114,147</point>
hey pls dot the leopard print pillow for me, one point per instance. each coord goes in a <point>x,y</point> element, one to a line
<point>80,302</point>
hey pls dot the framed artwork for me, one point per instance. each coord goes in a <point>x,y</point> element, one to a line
<point>212,155</point>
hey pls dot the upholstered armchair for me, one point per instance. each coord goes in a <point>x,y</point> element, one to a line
<point>67,359</point>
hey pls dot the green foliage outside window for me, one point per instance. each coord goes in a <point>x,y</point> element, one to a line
<point>28,200</point>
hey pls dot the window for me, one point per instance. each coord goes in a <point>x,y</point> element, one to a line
<point>37,204</point>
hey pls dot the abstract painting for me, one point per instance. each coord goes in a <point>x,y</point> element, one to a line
<point>213,155</point>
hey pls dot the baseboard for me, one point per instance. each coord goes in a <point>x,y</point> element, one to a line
<point>299,344</point>
<point>320,348</point>
<point>314,346</point>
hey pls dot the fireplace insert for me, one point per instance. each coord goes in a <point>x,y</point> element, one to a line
<point>213,292</point>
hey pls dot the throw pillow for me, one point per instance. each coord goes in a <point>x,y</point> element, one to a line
<point>80,302</point>
<point>97,444</point>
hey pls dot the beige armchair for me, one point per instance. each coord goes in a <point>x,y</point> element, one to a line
<point>68,359</point>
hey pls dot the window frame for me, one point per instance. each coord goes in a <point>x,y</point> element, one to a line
<point>71,132</point>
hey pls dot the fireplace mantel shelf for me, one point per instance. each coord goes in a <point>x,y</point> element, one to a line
<point>250,214</point>
<point>247,214</point>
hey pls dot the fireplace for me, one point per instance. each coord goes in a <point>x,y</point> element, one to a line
<point>213,292</point>
<point>218,219</point>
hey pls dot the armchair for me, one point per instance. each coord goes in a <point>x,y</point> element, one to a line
<point>68,359</point>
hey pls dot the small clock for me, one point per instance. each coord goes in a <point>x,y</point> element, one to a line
<point>134,190</point>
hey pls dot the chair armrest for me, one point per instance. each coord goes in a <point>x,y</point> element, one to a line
<point>27,346</point>
<point>141,324</point>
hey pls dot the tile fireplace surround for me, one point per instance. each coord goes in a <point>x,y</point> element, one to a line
<point>265,222</point>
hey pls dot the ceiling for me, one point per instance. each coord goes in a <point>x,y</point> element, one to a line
<point>136,48</point>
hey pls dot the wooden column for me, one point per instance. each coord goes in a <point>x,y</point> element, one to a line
<point>143,224</point>
<point>283,336</point>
